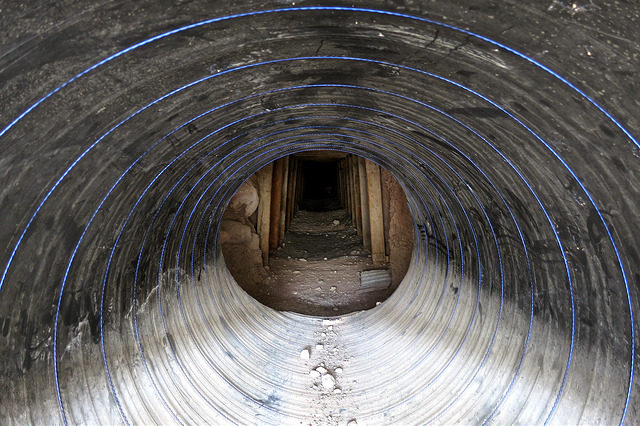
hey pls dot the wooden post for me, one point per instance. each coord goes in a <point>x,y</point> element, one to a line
<point>376,220</point>
<point>264,209</point>
<point>356,194</point>
<point>340,196</point>
<point>350,185</point>
<point>300,189</point>
<point>283,205</point>
<point>364,204</point>
<point>291,198</point>
<point>276,201</point>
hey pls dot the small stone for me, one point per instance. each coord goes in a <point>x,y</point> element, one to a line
<point>354,252</point>
<point>337,390</point>
<point>330,328</point>
<point>352,423</point>
<point>319,288</point>
<point>334,309</point>
<point>328,382</point>
<point>304,354</point>
<point>336,222</point>
<point>338,370</point>
<point>296,272</point>
<point>333,288</point>
<point>324,334</point>
<point>319,347</point>
<point>325,258</point>
<point>378,303</point>
<point>321,370</point>
<point>314,374</point>
<point>302,259</point>
<point>320,281</point>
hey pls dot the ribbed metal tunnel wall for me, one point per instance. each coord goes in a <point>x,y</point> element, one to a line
<point>127,126</point>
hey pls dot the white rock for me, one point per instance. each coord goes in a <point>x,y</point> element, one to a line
<point>304,354</point>
<point>245,200</point>
<point>338,370</point>
<point>325,258</point>
<point>321,370</point>
<point>328,382</point>
<point>302,259</point>
<point>333,288</point>
<point>337,390</point>
<point>336,222</point>
<point>319,347</point>
<point>296,272</point>
<point>314,374</point>
<point>352,423</point>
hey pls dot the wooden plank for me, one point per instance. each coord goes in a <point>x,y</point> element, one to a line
<point>364,204</point>
<point>300,188</point>
<point>276,201</point>
<point>356,194</point>
<point>291,192</point>
<point>350,186</point>
<point>376,221</point>
<point>264,209</point>
<point>343,199</point>
<point>283,203</point>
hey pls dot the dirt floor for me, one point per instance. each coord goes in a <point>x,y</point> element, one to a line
<point>316,271</point>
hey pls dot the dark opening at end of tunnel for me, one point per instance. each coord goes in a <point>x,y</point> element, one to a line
<point>319,233</point>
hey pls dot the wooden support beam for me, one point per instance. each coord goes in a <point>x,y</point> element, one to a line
<point>264,209</point>
<point>291,192</point>
<point>276,201</point>
<point>342,183</point>
<point>350,186</point>
<point>356,194</point>
<point>376,220</point>
<point>300,188</point>
<point>283,203</point>
<point>364,204</point>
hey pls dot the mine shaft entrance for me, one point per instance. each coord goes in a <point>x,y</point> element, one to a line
<point>320,233</point>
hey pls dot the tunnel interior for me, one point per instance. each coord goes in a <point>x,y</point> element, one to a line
<point>128,129</point>
<point>321,233</point>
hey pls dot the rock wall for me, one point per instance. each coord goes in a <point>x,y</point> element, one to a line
<point>238,238</point>
<point>398,227</point>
